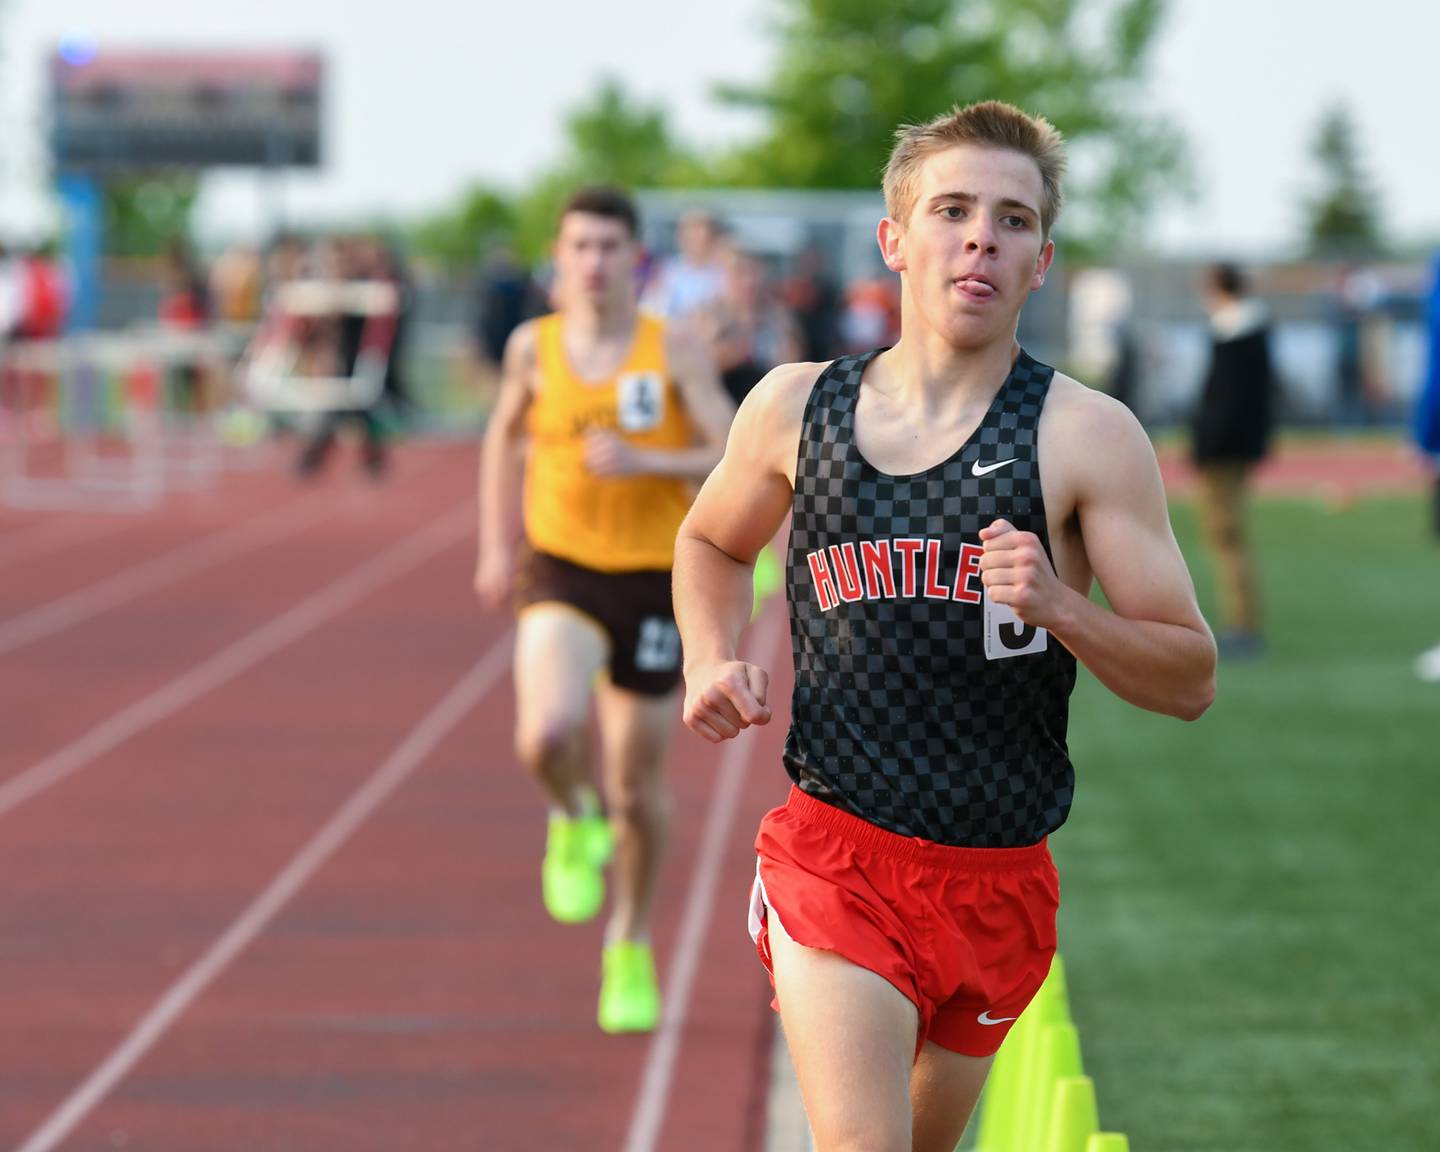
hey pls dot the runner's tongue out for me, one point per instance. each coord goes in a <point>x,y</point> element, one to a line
<point>975,287</point>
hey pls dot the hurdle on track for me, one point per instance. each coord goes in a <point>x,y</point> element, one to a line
<point>288,368</point>
<point>111,420</point>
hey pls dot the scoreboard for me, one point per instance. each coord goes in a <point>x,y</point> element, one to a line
<point>115,111</point>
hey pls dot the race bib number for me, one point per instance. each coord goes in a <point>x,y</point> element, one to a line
<point>659,646</point>
<point>642,401</point>
<point>1006,636</point>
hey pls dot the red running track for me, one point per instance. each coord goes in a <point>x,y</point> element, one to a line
<point>1336,470</point>
<point>271,872</point>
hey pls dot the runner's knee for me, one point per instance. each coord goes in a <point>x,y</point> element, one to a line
<point>646,804</point>
<point>541,745</point>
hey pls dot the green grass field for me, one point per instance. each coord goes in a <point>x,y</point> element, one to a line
<point>1251,903</point>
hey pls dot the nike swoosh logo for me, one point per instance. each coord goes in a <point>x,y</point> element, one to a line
<point>985,1017</point>
<point>978,469</point>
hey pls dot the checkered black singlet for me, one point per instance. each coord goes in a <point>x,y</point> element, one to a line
<point>898,716</point>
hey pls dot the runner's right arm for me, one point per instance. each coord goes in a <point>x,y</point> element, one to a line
<point>500,465</point>
<point>738,511</point>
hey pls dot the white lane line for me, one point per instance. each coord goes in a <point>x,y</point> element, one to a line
<point>162,571</point>
<point>654,1095</point>
<point>52,536</point>
<point>315,610</point>
<point>159,572</point>
<point>400,764</point>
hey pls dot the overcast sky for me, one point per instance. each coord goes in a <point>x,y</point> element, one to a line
<point>436,93</point>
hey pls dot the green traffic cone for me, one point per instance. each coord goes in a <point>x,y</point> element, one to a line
<point>1010,1096</point>
<point>1073,1116</point>
<point>1056,985</point>
<point>1052,1002</point>
<point>1059,1053</point>
<point>1108,1142</point>
<point>1001,1103</point>
<point>1056,1055</point>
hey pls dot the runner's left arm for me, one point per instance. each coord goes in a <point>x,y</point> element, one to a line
<point>1152,646</point>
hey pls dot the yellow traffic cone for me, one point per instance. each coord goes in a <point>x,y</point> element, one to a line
<point>1056,985</point>
<point>1056,1055</point>
<point>1000,1106</point>
<point>1009,1094</point>
<point>1073,1116</point>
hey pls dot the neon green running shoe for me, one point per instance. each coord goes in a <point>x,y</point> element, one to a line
<point>571,881</point>
<point>599,844</point>
<point>629,993</point>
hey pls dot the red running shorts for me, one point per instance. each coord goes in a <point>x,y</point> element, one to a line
<point>966,934</point>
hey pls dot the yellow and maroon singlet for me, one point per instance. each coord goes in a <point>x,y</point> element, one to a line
<point>606,523</point>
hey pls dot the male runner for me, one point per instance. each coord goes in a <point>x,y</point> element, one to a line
<point>622,418</point>
<point>952,500</point>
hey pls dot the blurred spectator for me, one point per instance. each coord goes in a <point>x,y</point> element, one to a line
<point>10,293</point>
<point>43,295</point>
<point>353,259</point>
<point>184,297</point>
<point>753,331</point>
<point>34,304</point>
<point>692,282</point>
<point>384,263</point>
<point>317,337</point>
<point>11,397</point>
<point>871,316</point>
<point>328,258</point>
<point>813,300</point>
<point>1124,381</point>
<point>235,285</point>
<point>508,296</point>
<point>1357,387</point>
<point>285,261</point>
<point>1232,430</point>
<point>366,342</point>
<point>1427,409</point>
<point>1427,435</point>
<point>185,306</point>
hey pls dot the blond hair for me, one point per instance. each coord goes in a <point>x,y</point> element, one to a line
<point>990,124</point>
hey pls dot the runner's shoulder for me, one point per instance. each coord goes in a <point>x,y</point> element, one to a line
<point>523,339</point>
<point>1076,419</point>
<point>766,430</point>
<point>780,397</point>
<point>521,359</point>
<point>1086,411</point>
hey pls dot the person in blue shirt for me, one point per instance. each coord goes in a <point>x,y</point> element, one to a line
<point>1427,436</point>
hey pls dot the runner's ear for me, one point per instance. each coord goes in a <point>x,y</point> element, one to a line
<point>891,237</point>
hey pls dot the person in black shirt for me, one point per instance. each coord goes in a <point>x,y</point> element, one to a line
<point>1232,430</point>
<point>508,296</point>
